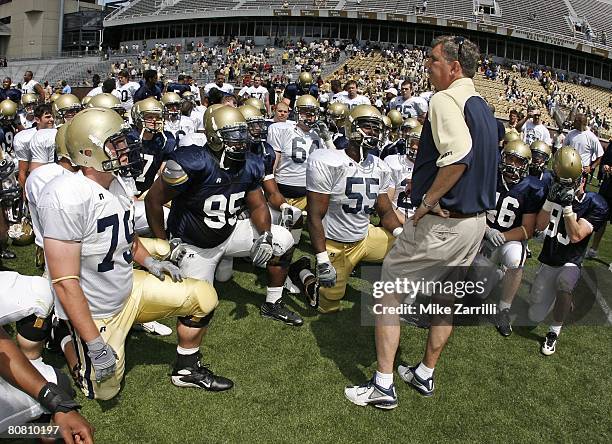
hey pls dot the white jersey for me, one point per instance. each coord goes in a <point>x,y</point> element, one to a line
<point>351,103</point>
<point>401,173</point>
<point>226,88</point>
<point>195,90</point>
<point>42,145</point>
<point>29,87</point>
<point>198,119</point>
<point>27,124</point>
<point>412,107</point>
<point>126,94</point>
<point>198,139</point>
<point>294,147</point>
<point>75,208</point>
<point>95,91</point>
<point>250,91</point>
<point>184,124</point>
<point>35,183</point>
<point>532,132</point>
<point>352,188</point>
<point>586,143</point>
<point>21,144</point>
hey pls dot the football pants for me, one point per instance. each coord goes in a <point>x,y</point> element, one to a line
<point>547,283</point>
<point>24,296</point>
<point>299,202</point>
<point>346,256</point>
<point>150,300</point>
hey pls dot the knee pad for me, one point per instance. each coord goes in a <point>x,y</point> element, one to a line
<point>567,279</point>
<point>284,260</point>
<point>225,269</point>
<point>196,322</point>
<point>282,240</point>
<point>513,256</point>
<point>158,248</point>
<point>33,328</point>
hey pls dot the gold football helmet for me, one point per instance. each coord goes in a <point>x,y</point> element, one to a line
<point>227,133</point>
<point>305,80</point>
<point>307,110</point>
<point>8,110</point>
<point>258,130</point>
<point>337,113</point>
<point>515,160</point>
<point>85,100</point>
<point>540,155</point>
<point>364,126</point>
<point>567,167</point>
<point>22,233</point>
<point>65,107</point>
<point>188,96</point>
<point>148,115</point>
<point>412,142</point>
<point>256,103</point>
<point>54,97</point>
<point>210,110</point>
<point>29,102</point>
<point>97,138</point>
<point>396,119</point>
<point>172,105</point>
<point>511,136</point>
<point>107,101</point>
<point>60,142</point>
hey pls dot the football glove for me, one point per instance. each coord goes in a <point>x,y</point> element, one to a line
<point>262,251</point>
<point>158,268</point>
<point>103,358</point>
<point>323,131</point>
<point>495,237</point>
<point>289,216</point>
<point>561,194</point>
<point>326,273</point>
<point>177,251</point>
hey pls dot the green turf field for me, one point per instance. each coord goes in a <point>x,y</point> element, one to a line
<point>289,381</point>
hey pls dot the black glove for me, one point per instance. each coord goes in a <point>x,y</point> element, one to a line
<point>54,399</point>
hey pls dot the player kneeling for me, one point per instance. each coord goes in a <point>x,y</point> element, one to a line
<point>344,189</point>
<point>87,221</point>
<point>568,216</point>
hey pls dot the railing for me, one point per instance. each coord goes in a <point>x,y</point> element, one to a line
<point>554,35</point>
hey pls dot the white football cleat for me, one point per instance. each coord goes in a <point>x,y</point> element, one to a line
<point>291,287</point>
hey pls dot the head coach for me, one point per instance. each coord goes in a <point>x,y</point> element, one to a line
<point>453,184</point>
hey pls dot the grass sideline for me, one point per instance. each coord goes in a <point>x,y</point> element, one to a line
<point>289,381</point>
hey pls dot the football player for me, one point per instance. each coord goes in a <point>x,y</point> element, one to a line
<point>87,223</point>
<point>257,91</point>
<point>399,145</point>
<point>108,101</point>
<point>65,108</point>
<point>31,86</point>
<point>196,112</point>
<point>9,125</point>
<point>10,198</point>
<point>397,120</point>
<point>126,89</point>
<point>509,226</point>
<point>28,103</point>
<point>174,121</point>
<point>569,216</point>
<point>303,86</point>
<point>208,188</point>
<point>293,144</point>
<point>180,87</point>
<point>344,188</point>
<point>157,144</point>
<point>409,105</point>
<point>402,165</point>
<point>29,388</point>
<point>540,155</point>
<point>352,98</point>
<point>335,118</point>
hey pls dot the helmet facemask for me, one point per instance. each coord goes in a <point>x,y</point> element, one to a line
<point>172,111</point>
<point>368,133</point>
<point>308,116</point>
<point>258,130</point>
<point>151,122</point>
<point>412,146</point>
<point>539,160</point>
<point>234,145</point>
<point>65,115</point>
<point>513,167</point>
<point>124,157</point>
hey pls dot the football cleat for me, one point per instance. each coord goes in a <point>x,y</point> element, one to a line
<point>291,287</point>
<point>278,312</point>
<point>424,386</point>
<point>549,346</point>
<point>200,376</point>
<point>154,328</point>
<point>7,254</point>
<point>591,254</point>
<point>310,283</point>
<point>502,323</point>
<point>372,394</point>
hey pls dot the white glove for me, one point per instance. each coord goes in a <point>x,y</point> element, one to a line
<point>103,358</point>
<point>289,215</point>
<point>323,131</point>
<point>262,251</point>
<point>158,268</point>
<point>495,237</point>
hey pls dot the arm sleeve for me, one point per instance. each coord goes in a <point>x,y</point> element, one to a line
<point>450,132</point>
<point>598,215</point>
<point>319,177</point>
<point>386,181</point>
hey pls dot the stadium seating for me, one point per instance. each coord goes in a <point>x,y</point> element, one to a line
<point>598,14</point>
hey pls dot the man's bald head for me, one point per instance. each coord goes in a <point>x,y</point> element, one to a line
<point>281,112</point>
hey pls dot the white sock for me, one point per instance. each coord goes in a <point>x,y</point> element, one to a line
<point>504,305</point>
<point>424,372</point>
<point>273,294</point>
<point>385,380</point>
<point>186,351</point>
<point>305,274</point>
<point>555,329</point>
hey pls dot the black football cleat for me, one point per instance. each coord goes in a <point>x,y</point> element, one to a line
<point>310,286</point>
<point>199,375</point>
<point>502,323</point>
<point>278,312</point>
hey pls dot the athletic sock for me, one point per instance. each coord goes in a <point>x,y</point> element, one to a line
<point>555,329</point>
<point>424,372</point>
<point>273,294</point>
<point>504,305</point>
<point>384,380</point>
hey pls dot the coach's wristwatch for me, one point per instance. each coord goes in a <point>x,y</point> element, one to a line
<point>426,205</point>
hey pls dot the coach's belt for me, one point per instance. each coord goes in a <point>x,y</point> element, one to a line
<point>457,215</point>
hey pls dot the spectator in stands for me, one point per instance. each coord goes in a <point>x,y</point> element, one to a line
<point>513,118</point>
<point>66,89</point>
<point>531,127</point>
<point>150,88</point>
<point>8,92</point>
<point>586,143</point>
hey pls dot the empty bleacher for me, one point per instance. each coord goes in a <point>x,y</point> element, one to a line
<point>598,14</point>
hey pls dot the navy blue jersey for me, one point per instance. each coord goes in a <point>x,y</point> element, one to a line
<point>12,93</point>
<point>145,91</point>
<point>397,147</point>
<point>204,212</point>
<point>7,134</point>
<point>179,88</point>
<point>340,141</point>
<point>557,249</point>
<point>265,151</point>
<point>513,201</point>
<point>293,91</point>
<point>546,181</point>
<point>154,153</point>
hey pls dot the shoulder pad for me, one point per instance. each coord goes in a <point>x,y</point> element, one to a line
<point>173,174</point>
